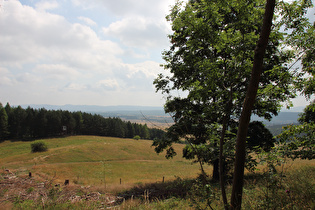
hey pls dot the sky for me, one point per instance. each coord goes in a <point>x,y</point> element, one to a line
<point>96,52</point>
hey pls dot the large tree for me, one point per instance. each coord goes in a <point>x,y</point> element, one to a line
<point>209,65</point>
<point>210,61</point>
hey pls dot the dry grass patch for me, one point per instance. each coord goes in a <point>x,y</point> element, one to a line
<point>92,160</point>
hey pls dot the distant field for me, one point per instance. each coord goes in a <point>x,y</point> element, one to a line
<point>92,160</point>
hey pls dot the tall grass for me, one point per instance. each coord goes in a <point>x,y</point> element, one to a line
<point>295,190</point>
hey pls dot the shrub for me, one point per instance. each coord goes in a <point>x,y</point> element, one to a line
<point>137,137</point>
<point>39,146</point>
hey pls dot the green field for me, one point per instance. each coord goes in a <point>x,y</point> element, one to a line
<point>92,160</point>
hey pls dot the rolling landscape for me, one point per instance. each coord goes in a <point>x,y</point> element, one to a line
<point>172,104</point>
<point>126,173</point>
<point>122,172</point>
<point>156,116</point>
<point>93,160</point>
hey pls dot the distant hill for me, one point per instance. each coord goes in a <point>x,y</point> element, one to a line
<point>93,108</point>
<point>154,116</point>
<point>283,118</point>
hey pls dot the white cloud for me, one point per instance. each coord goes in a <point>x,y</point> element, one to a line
<point>139,32</point>
<point>27,79</point>
<point>31,36</point>
<point>123,8</point>
<point>108,84</point>
<point>87,20</point>
<point>27,32</point>
<point>49,57</point>
<point>46,5</point>
<point>57,71</point>
<point>74,87</point>
<point>150,69</point>
<point>5,77</point>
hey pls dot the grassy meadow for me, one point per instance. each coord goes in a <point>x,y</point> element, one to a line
<point>93,160</point>
<point>101,162</point>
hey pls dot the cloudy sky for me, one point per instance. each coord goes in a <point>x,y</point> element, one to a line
<point>96,52</point>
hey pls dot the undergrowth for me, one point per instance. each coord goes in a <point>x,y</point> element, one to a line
<point>266,190</point>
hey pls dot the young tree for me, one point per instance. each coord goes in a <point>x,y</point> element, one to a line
<point>40,123</point>
<point>238,178</point>
<point>4,132</point>
<point>16,120</point>
<point>78,122</point>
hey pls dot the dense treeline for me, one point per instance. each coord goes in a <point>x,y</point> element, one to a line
<point>29,123</point>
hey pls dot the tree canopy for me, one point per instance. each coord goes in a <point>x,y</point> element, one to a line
<point>213,50</point>
<point>209,63</point>
<point>298,141</point>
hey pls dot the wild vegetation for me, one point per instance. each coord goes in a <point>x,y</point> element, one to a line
<point>95,166</point>
<point>229,59</point>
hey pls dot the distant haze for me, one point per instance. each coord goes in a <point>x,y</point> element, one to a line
<point>154,113</point>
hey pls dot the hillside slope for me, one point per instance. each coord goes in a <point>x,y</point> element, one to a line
<point>96,160</point>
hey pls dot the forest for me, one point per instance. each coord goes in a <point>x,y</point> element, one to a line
<point>17,123</point>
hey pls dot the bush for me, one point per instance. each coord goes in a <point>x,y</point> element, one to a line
<point>137,137</point>
<point>39,146</point>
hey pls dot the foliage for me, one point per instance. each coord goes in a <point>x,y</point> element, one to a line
<point>203,193</point>
<point>259,137</point>
<point>301,37</point>
<point>39,146</point>
<point>4,132</point>
<point>271,190</point>
<point>298,141</point>
<point>137,137</point>
<point>263,190</point>
<point>210,63</point>
<point>308,116</point>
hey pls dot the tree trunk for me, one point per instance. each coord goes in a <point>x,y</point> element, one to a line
<point>238,178</point>
<point>221,163</point>
<point>215,172</point>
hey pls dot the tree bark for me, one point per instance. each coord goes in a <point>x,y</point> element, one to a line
<point>238,178</point>
<point>221,163</point>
